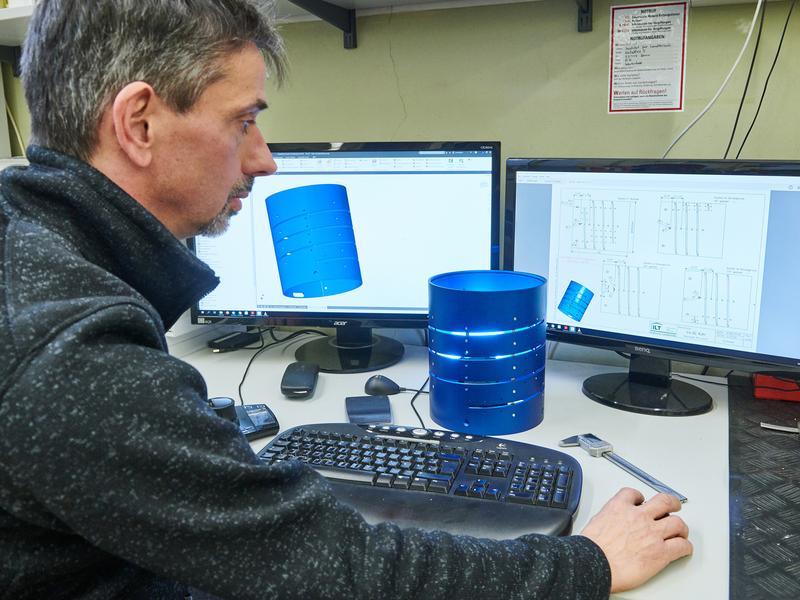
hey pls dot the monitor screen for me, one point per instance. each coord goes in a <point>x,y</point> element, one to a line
<point>346,235</point>
<point>686,260</point>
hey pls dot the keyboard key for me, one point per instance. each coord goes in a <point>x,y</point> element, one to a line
<point>384,480</point>
<point>448,467</point>
<point>520,497</point>
<point>419,484</point>
<point>449,456</point>
<point>438,486</point>
<point>402,482</point>
<point>475,491</point>
<point>346,476</point>
<point>492,493</point>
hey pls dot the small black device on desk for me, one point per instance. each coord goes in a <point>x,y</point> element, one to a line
<point>439,480</point>
<point>254,420</point>
<point>299,379</point>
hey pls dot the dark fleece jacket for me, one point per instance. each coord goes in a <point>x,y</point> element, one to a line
<point>116,481</point>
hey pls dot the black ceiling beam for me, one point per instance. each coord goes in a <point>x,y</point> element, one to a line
<point>341,18</point>
<point>584,15</point>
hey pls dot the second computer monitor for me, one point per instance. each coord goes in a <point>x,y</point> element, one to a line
<point>686,260</point>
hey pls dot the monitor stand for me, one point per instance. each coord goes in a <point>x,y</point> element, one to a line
<point>648,388</point>
<point>352,350</point>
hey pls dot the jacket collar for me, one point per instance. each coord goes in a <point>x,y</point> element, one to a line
<point>110,228</point>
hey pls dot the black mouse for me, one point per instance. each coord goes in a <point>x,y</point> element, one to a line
<point>224,407</point>
<point>380,385</point>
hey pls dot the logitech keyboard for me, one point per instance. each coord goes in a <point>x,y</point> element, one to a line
<point>439,480</point>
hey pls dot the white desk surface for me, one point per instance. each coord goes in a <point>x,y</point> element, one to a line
<point>690,454</point>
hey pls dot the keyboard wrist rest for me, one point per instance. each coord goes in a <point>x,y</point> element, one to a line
<point>459,516</point>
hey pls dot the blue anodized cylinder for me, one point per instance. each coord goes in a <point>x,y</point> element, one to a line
<point>486,350</point>
<point>315,246</point>
<point>575,300</point>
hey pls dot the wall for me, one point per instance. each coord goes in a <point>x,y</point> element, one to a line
<point>522,74</point>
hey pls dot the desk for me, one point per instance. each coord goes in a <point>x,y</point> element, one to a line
<point>688,453</point>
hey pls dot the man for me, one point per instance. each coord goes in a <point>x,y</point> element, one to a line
<point>115,480</point>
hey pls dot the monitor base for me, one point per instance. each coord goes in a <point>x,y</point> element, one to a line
<point>675,399</point>
<point>335,355</point>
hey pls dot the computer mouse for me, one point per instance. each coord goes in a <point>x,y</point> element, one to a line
<point>224,407</point>
<point>380,385</point>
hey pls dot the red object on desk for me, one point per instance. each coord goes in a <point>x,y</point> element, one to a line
<point>771,387</point>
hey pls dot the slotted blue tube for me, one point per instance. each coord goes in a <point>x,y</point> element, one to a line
<point>575,300</point>
<point>315,246</point>
<point>486,351</point>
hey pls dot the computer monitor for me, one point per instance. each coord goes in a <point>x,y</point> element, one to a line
<point>684,260</point>
<point>346,235</point>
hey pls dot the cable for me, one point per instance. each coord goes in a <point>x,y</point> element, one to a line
<point>701,380</point>
<point>416,395</point>
<point>277,341</point>
<point>16,130</point>
<point>766,82</point>
<point>724,83</point>
<point>746,83</point>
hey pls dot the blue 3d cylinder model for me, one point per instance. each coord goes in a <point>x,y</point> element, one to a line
<point>487,350</point>
<point>314,242</point>
<point>575,300</point>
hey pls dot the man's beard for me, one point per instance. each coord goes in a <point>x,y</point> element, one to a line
<point>219,224</point>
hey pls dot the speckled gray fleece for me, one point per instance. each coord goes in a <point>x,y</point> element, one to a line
<point>115,481</point>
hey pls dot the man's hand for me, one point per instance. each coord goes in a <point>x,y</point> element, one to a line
<point>638,538</point>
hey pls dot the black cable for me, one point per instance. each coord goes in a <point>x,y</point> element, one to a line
<point>766,82</point>
<point>761,387</point>
<point>277,341</point>
<point>700,380</point>
<point>705,370</point>
<point>260,332</point>
<point>416,395</point>
<point>747,83</point>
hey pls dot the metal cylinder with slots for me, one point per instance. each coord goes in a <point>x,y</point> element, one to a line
<point>487,350</point>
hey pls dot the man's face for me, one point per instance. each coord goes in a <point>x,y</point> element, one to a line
<point>209,156</point>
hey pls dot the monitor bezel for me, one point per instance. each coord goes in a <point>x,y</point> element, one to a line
<point>369,320</point>
<point>629,344</point>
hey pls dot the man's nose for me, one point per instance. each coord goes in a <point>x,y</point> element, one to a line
<point>259,159</point>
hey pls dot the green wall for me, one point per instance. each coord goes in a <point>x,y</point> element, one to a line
<point>522,74</point>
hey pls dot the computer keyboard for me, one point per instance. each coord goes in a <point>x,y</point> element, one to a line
<point>439,480</point>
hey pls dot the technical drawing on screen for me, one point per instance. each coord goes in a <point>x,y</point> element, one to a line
<point>677,259</point>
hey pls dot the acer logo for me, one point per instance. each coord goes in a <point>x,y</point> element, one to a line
<point>643,349</point>
<point>339,323</point>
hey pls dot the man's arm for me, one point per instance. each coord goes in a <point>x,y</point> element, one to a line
<point>126,455</point>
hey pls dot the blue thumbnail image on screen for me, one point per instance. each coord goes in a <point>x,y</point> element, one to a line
<point>575,300</point>
<point>315,246</point>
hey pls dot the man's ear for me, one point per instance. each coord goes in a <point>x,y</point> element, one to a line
<point>131,114</point>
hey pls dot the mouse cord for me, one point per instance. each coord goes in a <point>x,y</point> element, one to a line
<point>416,395</point>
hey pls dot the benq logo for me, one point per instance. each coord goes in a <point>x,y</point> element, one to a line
<point>643,349</point>
<point>339,323</point>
